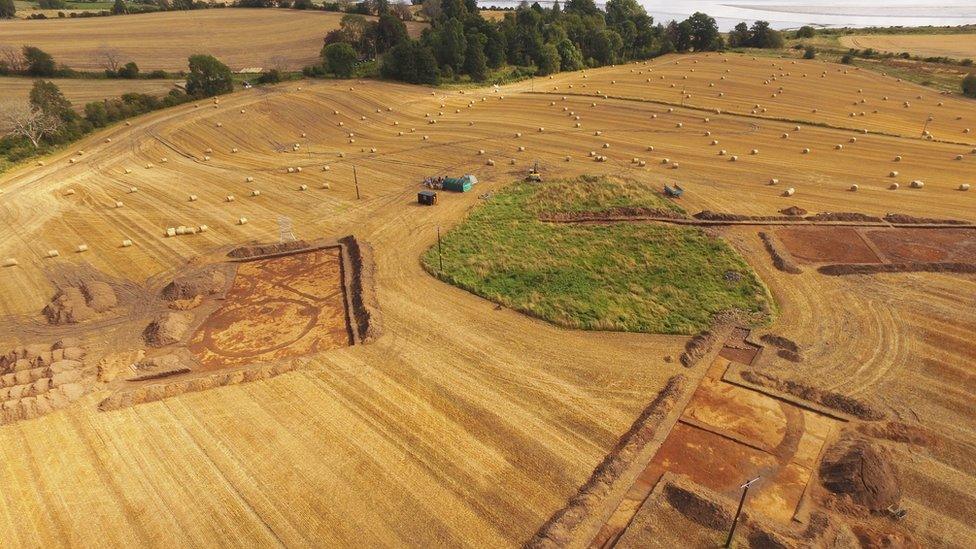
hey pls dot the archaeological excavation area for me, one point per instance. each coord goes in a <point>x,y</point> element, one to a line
<point>228,321</point>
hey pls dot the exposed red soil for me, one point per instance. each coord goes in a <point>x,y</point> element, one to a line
<point>926,245</point>
<point>914,267</point>
<point>827,245</point>
<point>277,308</point>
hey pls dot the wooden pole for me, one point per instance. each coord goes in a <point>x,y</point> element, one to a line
<point>735,521</point>
<point>356,177</point>
<point>440,258</point>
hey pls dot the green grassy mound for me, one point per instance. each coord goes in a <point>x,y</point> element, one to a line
<point>622,276</point>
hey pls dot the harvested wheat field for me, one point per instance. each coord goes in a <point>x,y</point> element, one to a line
<point>959,46</point>
<point>400,409</point>
<point>241,38</point>
<point>80,91</point>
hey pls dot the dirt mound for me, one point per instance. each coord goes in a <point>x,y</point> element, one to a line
<point>558,530</point>
<point>906,219</point>
<point>167,329</point>
<point>793,211</point>
<point>195,285</point>
<point>785,348</point>
<point>359,281</point>
<point>874,268</point>
<point>73,304</point>
<point>696,348</point>
<point>611,214</point>
<point>854,468</point>
<point>781,258</point>
<point>900,432</point>
<point>843,216</point>
<point>259,250</point>
<point>699,505</point>
<point>830,399</point>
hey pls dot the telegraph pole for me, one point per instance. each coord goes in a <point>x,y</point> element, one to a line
<point>735,521</point>
<point>356,178</point>
<point>440,258</point>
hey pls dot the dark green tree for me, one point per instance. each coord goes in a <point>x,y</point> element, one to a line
<point>581,7</point>
<point>969,85</point>
<point>739,36</point>
<point>704,32</point>
<point>806,31</point>
<point>809,53</point>
<point>119,8</point>
<point>475,62</point>
<point>303,5</point>
<point>339,59</point>
<point>570,57</point>
<point>390,31</point>
<point>410,61</point>
<point>47,97</point>
<point>38,62</point>
<point>208,77</point>
<point>765,37</point>
<point>129,70</point>
<point>7,9</point>
<point>549,61</point>
<point>449,44</point>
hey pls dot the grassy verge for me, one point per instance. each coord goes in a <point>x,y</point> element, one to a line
<point>624,276</point>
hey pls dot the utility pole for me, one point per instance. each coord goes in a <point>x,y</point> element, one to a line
<point>735,521</point>
<point>927,120</point>
<point>440,258</point>
<point>356,178</point>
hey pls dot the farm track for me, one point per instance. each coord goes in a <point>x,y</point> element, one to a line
<point>463,423</point>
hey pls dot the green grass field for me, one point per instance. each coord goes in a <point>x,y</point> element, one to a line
<point>636,277</point>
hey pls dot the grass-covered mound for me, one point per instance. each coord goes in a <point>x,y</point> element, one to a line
<point>623,276</point>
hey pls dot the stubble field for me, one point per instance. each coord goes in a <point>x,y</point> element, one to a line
<point>241,38</point>
<point>464,422</point>
<point>959,46</point>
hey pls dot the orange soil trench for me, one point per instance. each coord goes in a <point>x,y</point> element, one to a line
<point>729,434</point>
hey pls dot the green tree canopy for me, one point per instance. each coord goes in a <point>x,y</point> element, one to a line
<point>410,61</point>
<point>475,62</point>
<point>119,8</point>
<point>969,85</point>
<point>208,77</point>
<point>7,9</point>
<point>339,59</point>
<point>38,62</point>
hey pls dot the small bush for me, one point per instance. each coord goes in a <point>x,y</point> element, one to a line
<point>809,53</point>
<point>969,85</point>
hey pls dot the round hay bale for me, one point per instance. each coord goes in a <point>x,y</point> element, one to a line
<point>303,187</point>
<point>81,248</point>
<point>918,184</point>
<point>893,186</point>
<point>838,146</point>
<point>789,192</point>
<point>721,152</point>
<point>650,147</point>
<point>898,158</point>
<point>665,160</point>
<point>733,158</point>
<point>774,181</point>
<point>490,162</point>
<point>806,151</point>
<point>229,198</point>
<point>242,221</point>
<point>119,204</point>
<point>754,152</point>
<point>53,253</point>
<point>893,173</point>
<point>126,243</point>
<point>255,192</point>
<point>964,186</point>
<point>854,188</point>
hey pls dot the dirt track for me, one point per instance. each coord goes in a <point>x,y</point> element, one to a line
<point>462,422</point>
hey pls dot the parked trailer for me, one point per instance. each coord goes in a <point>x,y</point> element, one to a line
<point>427,198</point>
<point>459,184</point>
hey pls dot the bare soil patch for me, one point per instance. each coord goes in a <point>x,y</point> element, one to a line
<point>926,245</point>
<point>827,245</point>
<point>277,308</point>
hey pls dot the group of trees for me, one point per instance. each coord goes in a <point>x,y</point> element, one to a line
<point>760,35</point>
<point>48,118</point>
<point>537,40</point>
<point>969,85</point>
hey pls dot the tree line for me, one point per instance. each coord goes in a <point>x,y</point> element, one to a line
<point>532,40</point>
<point>48,118</point>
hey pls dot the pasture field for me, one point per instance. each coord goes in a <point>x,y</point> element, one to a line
<point>241,38</point>
<point>466,423</point>
<point>958,46</point>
